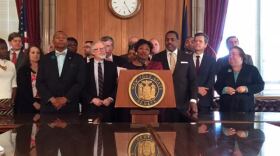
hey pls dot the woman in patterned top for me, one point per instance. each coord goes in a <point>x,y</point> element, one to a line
<point>7,81</point>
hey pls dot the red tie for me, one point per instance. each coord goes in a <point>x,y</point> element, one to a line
<point>197,64</point>
<point>14,57</point>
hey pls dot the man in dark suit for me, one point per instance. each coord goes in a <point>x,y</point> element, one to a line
<point>205,70</point>
<point>61,78</point>
<point>87,50</point>
<point>189,45</point>
<point>100,92</point>
<point>184,77</point>
<point>16,53</point>
<point>108,42</point>
<point>223,62</point>
<point>72,44</point>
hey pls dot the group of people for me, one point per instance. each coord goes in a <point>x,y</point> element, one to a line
<point>60,80</point>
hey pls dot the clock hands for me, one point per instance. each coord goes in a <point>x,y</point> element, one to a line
<point>126,6</point>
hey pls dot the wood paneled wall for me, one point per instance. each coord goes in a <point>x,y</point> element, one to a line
<point>91,19</point>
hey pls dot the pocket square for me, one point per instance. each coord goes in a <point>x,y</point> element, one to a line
<point>184,62</point>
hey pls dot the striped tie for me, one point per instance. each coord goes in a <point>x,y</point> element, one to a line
<point>100,80</point>
<point>99,141</point>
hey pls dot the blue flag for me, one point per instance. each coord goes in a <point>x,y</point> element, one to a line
<point>23,24</point>
<point>184,25</point>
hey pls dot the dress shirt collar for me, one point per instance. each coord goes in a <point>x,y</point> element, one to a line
<point>195,54</point>
<point>110,58</point>
<point>58,53</point>
<point>100,61</point>
<point>17,51</point>
<point>175,52</point>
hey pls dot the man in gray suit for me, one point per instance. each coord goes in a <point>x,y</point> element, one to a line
<point>223,61</point>
<point>16,53</point>
<point>184,77</point>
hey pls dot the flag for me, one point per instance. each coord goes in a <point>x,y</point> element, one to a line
<point>184,25</point>
<point>23,23</point>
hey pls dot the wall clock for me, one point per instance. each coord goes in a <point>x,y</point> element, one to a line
<point>124,8</point>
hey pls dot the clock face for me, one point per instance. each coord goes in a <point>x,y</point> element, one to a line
<point>124,8</point>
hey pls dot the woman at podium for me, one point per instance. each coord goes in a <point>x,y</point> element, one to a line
<point>143,62</point>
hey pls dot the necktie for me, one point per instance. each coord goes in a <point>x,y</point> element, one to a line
<point>99,141</point>
<point>14,57</point>
<point>172,62</point>
<point>100,80</point>
<point>197,64</point>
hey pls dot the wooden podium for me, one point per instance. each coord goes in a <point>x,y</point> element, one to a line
<point>144,115</point>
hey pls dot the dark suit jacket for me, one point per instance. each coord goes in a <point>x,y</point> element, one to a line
<point>69,140</point>
<point>69,84</point>
<point>109,88</point>
<point>24,96</point>
<point>223,62</point>
<point>23,140</point>
<point>21,60</point>
<point>119,61</point>
<point>248,76</point>
<point>184,78</point>
<point>206,78</point>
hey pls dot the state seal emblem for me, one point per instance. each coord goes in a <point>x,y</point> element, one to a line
<point>143,144</point>
<point>146,89</point>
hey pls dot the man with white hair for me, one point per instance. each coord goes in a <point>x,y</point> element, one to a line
<point>100,91</point>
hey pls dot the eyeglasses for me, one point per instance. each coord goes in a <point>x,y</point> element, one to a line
<point>87,46</point>
<point>100,49</point>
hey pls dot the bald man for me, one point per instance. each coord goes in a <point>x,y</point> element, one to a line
<point>61,78</point>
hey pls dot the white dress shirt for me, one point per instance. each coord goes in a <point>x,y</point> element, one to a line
<point>200,58</point>
<point>96,139</point>
<point>11,53</point>
<point>60,57</point>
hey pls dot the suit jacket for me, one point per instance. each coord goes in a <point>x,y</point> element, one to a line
<point>23,139</point>
<point>206,78</point>
<point>24,96</point>
<point>223,62</point>
<point>109,86</point>
<point>184,78</point>
<point>119,61</point>
<point>21,60</point>
<point>239,102</point>
<point>69,141</point>
<point>69,84</point>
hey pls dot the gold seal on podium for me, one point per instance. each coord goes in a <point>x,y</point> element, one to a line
<point>143,144</point>
<point>146,89</point>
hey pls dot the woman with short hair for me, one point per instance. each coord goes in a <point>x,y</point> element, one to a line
<point>237,83</point>
<point>7,81</point>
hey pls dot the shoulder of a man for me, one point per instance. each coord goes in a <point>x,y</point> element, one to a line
<point>159,55</point>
